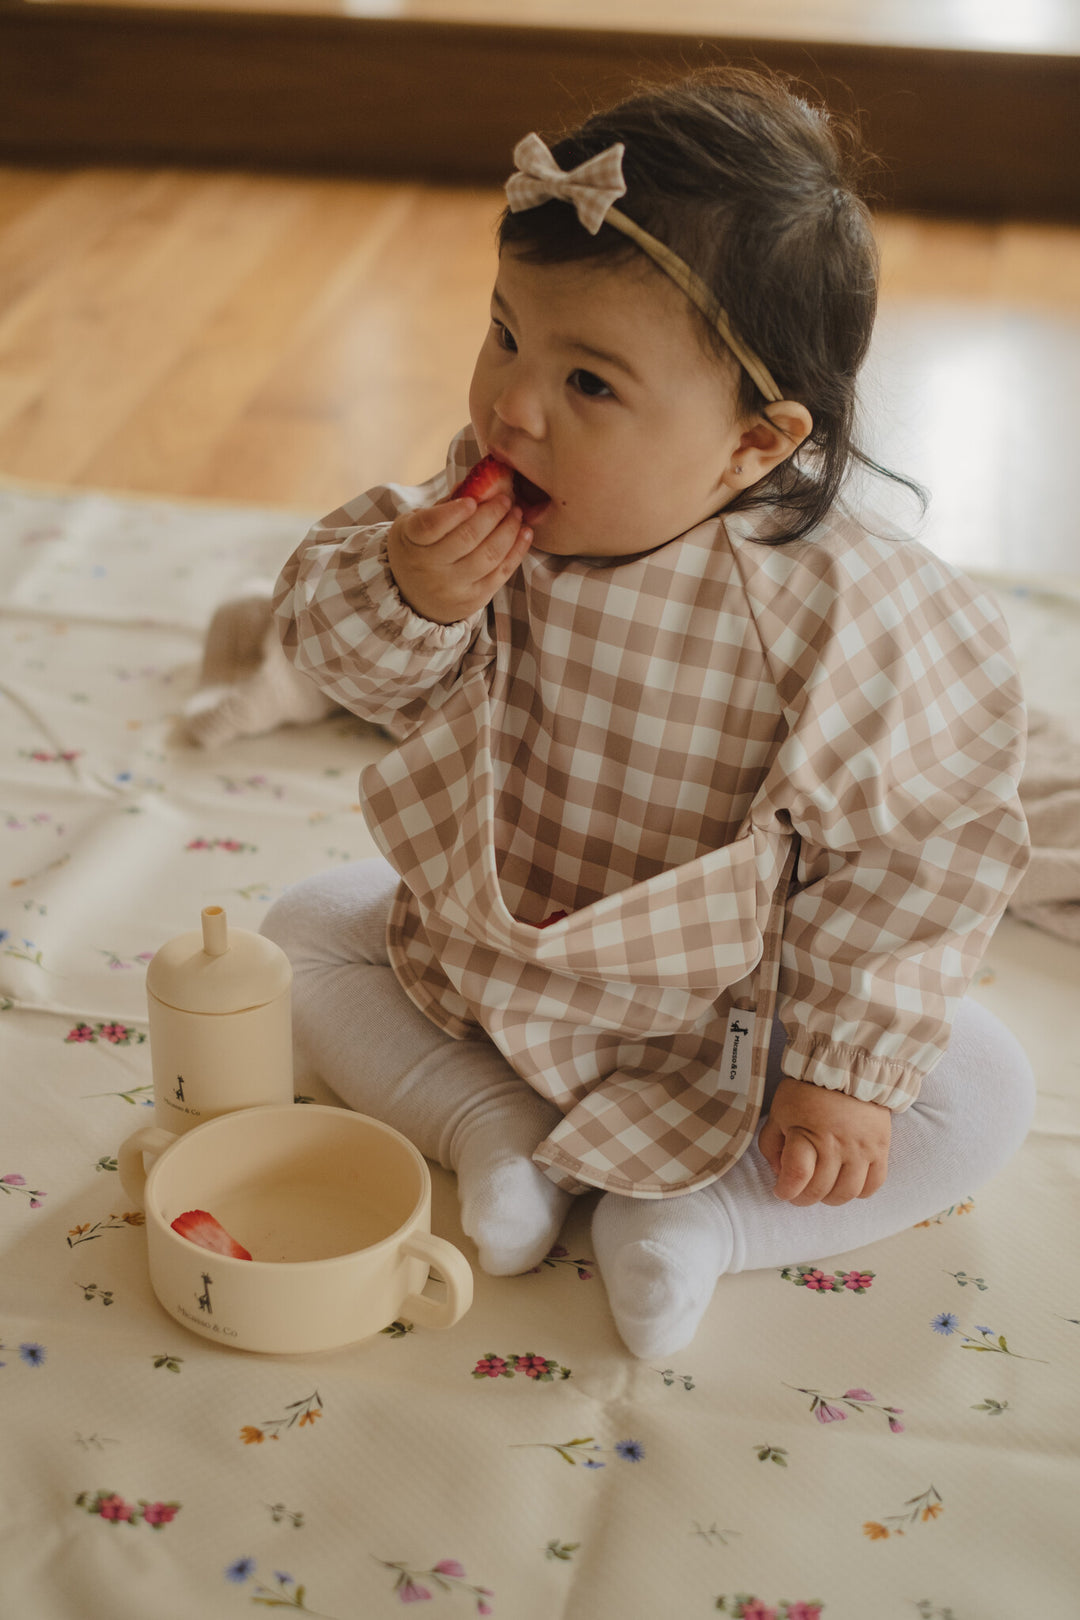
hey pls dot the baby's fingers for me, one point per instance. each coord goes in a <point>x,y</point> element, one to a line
<point>771,1144</point>
<point>509,549</point>
<point>429,524</point>
<point>798,1163</point>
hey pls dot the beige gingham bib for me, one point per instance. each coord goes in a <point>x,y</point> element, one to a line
<point>747,774</point>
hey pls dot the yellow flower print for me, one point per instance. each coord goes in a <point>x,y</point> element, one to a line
<point>297,1413</point>
<point>919,1510</point>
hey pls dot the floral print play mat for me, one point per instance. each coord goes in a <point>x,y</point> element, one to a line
<point>884,1435</point>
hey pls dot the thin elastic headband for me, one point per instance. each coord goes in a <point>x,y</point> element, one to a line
<point>591,189</point>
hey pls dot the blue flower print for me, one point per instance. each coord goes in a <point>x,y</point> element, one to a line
<point>630,1450</point>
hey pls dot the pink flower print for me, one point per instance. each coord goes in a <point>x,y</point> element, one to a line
<point>450,1566</point>
<point>483,1608</point>
<point>13,1181</point>
<point>116,1033</point>
<point>804,1611</point>
<point>232,845</point>
<point>829,1414</point>
<point>198,843</point>
<point>115,1508</point>
<point>897,1428</point>
<point>81,1032</point>
<point>489,1367</point>
<point>160,1512</point>
<point>756,1610</point>
<point>411,1592</point>
<point>857,1280</point>
<point>531,1366</point>
<point>818,1280</point>
<point>857,1395</point>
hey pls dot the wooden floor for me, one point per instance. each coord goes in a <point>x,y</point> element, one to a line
<point>951,24</point>
<point>969,104</point>
<point>291,341</point>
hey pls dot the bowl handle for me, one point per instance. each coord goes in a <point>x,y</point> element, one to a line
<point>150,1139</point>
<point>454,1270</point>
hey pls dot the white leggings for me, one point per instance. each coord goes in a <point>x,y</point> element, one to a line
<point>356,1028</point>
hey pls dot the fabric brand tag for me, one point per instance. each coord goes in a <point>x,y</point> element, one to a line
<point>738,1046</point>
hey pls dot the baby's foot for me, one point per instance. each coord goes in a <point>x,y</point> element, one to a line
<point>509,1208</point>
<point>247,685</point>
<point>660,1262</point>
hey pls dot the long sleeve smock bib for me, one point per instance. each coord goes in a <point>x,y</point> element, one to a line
<point>751,776</point>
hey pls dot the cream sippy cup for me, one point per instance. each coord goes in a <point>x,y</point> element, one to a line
<point>220,1023</point>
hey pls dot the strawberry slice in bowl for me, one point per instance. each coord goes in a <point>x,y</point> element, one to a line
<point>200,1227</point>
<point>492,477</point>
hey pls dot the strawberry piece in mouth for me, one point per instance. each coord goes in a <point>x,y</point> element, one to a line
<point>491,476</point>
<point>198,1226</point>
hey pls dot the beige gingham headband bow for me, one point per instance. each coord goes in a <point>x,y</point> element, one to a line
<point>592,188</point>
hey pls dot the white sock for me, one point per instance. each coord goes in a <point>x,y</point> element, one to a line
<point>509,1208</point>
<point>247,685</point>
<point>660,1260</point>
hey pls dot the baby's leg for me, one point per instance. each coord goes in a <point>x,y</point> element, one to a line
<point>660,1261</point>
<point>460,1102</point>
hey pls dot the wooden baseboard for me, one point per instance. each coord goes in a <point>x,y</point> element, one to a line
<point>964,132</point>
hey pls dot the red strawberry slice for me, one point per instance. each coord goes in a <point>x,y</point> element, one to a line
<point>200,1227</point>
<point>486,479</point>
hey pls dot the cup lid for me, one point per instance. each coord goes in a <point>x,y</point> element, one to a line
<point>217,969</point>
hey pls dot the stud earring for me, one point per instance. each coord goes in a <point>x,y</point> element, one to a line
<point>738,469</point>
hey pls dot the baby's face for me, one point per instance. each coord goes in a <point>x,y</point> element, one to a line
<point>593,383</point>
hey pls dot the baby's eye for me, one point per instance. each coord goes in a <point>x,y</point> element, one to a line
<point>504,337</point>
<point>589,384</point>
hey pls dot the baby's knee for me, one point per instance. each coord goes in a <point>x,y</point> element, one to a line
<point>337,914</point>
<point>292,920</point>
<point>992,1071</point>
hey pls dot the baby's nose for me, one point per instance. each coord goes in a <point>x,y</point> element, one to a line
<point>518,406</point>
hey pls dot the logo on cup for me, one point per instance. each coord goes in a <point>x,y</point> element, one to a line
<point>204,1297</point>
<point>179,1092</point>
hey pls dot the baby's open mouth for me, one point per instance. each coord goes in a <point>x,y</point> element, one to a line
<point>530,497</point>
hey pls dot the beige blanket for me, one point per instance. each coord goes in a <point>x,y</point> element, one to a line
<point>1049,892</point>
<point>884,1435</point>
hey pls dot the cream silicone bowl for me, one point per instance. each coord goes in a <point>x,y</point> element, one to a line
<point>335,1209</point>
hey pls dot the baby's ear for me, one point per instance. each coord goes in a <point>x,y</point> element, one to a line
<point>770,439</point>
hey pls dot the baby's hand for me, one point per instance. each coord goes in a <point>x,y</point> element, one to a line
<point>449,560</point>
<point>824,1146</point>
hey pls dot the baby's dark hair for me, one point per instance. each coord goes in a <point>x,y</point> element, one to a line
<point>754,188</point>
